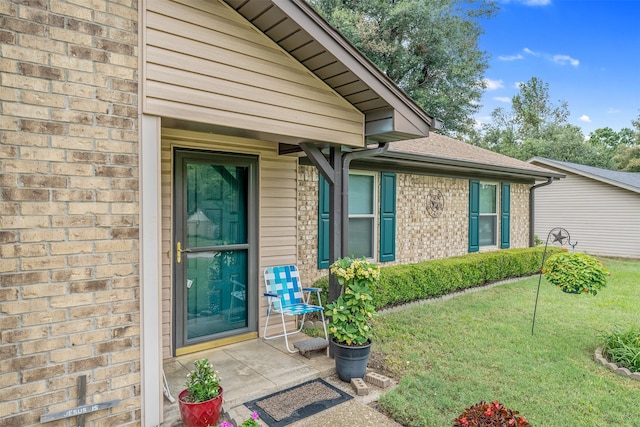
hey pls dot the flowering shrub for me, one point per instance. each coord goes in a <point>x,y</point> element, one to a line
<point>491,415</point>
<point>253,421</point>
<point>576,273</point>
<point>203,383</point>
<point>351,314</point>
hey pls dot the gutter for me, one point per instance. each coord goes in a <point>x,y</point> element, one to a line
<point>421,159</point>
<point>532,215</point>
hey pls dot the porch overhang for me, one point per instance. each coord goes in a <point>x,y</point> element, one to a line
<point>390,115</point>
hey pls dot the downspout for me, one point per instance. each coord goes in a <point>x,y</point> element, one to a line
<point>346,161</point>
<point>532,210</point>
<point>339,181</point>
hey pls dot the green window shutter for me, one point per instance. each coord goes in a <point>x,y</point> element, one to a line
<point>323,223</point>
<point>387,217</point>
<point>474,215</point>
<point>505,215</point>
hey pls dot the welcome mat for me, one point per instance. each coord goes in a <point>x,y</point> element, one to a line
<point>287,406</point>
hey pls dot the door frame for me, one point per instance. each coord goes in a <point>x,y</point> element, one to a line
<point>178,199</point>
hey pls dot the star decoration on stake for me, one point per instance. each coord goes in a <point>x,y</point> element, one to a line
<point>559,237</point>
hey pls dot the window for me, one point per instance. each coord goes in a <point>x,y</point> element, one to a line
<point>484,201</point>
<point>361,215</point>
<point>363,208</point>
<point>488,215</point>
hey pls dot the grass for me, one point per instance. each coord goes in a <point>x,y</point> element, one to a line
<point>452,354</point>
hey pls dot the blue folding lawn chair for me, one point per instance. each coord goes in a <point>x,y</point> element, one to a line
<point>287,297</point>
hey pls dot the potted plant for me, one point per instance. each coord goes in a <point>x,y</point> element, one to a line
<point>491,415</point>
<point>201,402</point>
<point>350,316</point>
<point>576,273</point>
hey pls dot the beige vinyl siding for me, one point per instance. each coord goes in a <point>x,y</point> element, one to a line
<point>205,63</point>
<point>602,218</point>
<point>276,218</point>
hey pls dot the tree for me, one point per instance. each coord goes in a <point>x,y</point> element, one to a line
<point>608,139</point>
<point>564,143</point>
<point>628,157</point>
<point>428,47</point>
<point>534,126</point>
<point>533,110</point>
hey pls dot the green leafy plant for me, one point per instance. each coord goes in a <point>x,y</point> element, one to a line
<point>492,414</point>
<point>576,273</point>
<point>203,383</point>
<point>351,314</point>
<point>252,421</point>
<point>623,348</point>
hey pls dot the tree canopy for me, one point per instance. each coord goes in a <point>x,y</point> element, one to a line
<point>428,47</point>
<point>536,126</point>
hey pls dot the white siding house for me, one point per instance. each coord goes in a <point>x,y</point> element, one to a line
<point>599,207</point>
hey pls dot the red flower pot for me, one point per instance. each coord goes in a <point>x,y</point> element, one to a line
<point>201,414</point>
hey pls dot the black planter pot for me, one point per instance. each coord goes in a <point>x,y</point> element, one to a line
<point>351,362</point>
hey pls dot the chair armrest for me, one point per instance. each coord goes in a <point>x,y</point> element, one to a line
<point>271,295</point>
<point>312,289</point>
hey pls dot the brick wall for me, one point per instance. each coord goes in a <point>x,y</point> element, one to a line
<point>69,302</point>
<point>419,236</point>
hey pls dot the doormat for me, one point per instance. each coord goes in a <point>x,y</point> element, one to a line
<point>287,406</point>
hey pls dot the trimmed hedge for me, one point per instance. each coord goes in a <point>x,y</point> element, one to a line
<point>405,283</point>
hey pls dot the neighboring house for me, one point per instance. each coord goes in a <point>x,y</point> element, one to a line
<point>599,208</point>
<point>149,173</point>
<point>443,197</point>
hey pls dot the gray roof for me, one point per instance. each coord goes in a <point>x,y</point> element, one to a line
<point>627,180</point>
<point>449,156</point>
<point>390,115</point>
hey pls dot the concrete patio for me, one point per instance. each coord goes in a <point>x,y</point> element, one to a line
<point>257,368</point>
<point>249,370</point>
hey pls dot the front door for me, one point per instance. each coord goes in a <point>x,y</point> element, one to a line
<point>215,246</point>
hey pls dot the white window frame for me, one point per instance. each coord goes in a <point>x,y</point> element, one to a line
<point>495,214</point>
<point>373,215</point>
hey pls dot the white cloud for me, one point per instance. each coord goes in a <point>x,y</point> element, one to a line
<point>529,2</point>
<point>585,118</point>
<point>536,2</point>
<point>493,84</point>
<point>510,57</point>
<point>558,59</point>
<point>612,110</point>
<point>502,99</point>
<point>565,59</point>
<point>480,121</point>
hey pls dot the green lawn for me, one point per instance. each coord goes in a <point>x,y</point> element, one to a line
<point>452,354</point>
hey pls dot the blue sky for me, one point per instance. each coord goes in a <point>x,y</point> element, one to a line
<point>588,51</point>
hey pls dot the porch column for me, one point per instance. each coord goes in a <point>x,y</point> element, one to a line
<point>150,271</point>
<point>332,171</point>
<point>336,218</point>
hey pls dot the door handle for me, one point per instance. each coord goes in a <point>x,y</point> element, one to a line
<point>179,251</point>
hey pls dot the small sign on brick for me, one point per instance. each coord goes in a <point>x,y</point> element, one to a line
<point>81,410</point>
